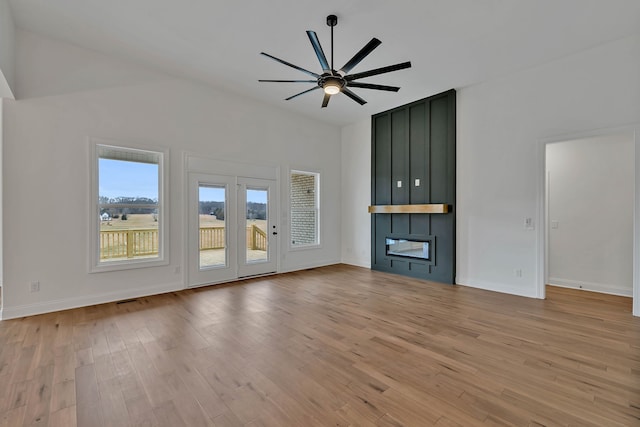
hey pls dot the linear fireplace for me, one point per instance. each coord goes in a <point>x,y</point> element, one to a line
<point>408,248</point>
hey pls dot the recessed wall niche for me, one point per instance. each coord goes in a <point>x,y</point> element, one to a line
<point>413,171</point>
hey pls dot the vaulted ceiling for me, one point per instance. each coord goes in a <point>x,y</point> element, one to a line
<point>451,43</point>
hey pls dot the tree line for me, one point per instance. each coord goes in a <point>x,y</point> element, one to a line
<point>254,210</point>
<point>127,208</point>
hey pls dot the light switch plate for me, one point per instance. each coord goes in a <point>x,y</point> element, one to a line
<point>528,224</point>
<point>399,184</point>
<point>417,182</point>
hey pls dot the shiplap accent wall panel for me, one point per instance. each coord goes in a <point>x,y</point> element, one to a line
<point>414,162</point>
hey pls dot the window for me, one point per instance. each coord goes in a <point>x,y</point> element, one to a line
<point>128,220</point>
<point>304,199</point>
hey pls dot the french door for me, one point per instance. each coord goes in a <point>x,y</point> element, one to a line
<point>232,229</point>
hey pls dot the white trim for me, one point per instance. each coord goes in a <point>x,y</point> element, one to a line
<point>316,264</point>
<point>636,225</point>
<point>541,262</point>
<point>206,167</point>
<point>496,287</point>
<point>93,252</point>
<point>540,276</point>
<point>75,302</point>
<point>357,263</point>
<point>590,286</point>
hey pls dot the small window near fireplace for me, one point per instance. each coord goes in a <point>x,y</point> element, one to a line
<point>408,248</point>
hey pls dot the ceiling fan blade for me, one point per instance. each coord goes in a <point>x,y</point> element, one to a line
<point>313,37</point>
<point>290,65</point>
<point>325,100</point>
<point>366,50</point>
<point>372,86</point>
<point>353,96</point>
<point>302,93</point>
<point>377,71</point>
<point>289,81</point>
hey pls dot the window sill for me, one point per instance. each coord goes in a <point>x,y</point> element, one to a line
<point>304,247</point>
<point>127,265</point>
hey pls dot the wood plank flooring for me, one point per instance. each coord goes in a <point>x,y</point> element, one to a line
<point>333,346</point>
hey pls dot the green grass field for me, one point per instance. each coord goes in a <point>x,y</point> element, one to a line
<point>142,221</point>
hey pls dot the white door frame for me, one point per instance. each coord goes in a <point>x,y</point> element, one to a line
<point>196,163</point>
<point>196,275</point>
<point>268,266</point>
<point>542,237</point>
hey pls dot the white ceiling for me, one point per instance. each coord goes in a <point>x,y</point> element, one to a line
<point>451,43</point>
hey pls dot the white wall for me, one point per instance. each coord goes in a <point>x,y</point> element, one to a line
<point>590,192</point>
<point>1,198</point>
<point>356,193</point>
<point>7,50</point>
<point>46,161</point>
<point>500,125</point>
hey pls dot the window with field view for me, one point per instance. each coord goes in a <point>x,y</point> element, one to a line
<point>304,201</point>
<point>129,205</point>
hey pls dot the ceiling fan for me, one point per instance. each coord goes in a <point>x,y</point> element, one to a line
<point>333,82</point>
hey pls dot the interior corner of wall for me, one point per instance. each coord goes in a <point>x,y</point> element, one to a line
<point>5,88</point>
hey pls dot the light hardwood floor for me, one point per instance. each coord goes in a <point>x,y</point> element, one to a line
<point>333,346</point>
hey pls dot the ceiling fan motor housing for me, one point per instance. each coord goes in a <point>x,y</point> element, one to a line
<point>334,80</point>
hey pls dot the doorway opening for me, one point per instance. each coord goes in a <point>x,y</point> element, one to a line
<point>590,214</point>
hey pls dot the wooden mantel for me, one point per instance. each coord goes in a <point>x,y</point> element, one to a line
<point>410,209</point>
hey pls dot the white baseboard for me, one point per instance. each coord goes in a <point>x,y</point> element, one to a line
<point>357,262</point>
<point>591,286</point>
<point>68,303</point>
<point>315,264</point>
<point>529,292</point>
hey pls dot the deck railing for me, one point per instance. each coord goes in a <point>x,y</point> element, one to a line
<point>257,238</point>
<point>144,242</point>
<point>212,238</point>
<point>128,243</point>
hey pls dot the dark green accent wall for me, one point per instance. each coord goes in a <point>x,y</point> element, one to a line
<point>415,141</point>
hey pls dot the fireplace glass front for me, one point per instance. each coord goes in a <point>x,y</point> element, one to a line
<point>408,248</point>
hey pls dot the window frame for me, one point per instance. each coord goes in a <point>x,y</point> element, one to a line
<point>317,187</point>
<point>95,265</point>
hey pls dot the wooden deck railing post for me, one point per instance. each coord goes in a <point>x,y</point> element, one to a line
<point>130,240</point>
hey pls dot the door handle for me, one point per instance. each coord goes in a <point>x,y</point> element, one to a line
<point>274,233</point>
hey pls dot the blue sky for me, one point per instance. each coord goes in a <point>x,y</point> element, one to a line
<point>118,178</point>
<point>216,194</point>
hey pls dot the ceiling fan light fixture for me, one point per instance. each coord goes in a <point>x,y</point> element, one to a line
<point>332,86</point>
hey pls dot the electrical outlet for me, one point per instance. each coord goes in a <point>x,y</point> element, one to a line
<point>34,286</point>
<point>517,272</point>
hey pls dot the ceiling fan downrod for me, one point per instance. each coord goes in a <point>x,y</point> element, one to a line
<point>332,21</point>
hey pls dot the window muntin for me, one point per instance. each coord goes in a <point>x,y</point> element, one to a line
<point>128,194</point>
<point>304,203</point>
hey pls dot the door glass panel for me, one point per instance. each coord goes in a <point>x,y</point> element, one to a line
<point>256,228</point>
<point>212,229</point>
